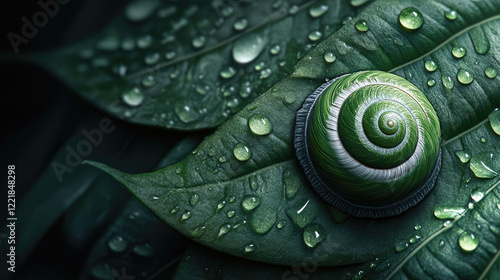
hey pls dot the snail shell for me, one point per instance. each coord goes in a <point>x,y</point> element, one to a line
<point>369,143</point>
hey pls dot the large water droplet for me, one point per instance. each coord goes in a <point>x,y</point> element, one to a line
<point>185,113</point>
<point>194,199</point>
<point>430,65</point>
<point>484,165</point>
<point>463,156</point>
<point>494,119</point>
<point>304,214</point>
<point>477,195</point>
<point>250,202</point>
<point>447,82</point>
<point>490,72</point>
<point>290,182</point>
<point>117,243</point>
<point>199,41</point>
<point>313,235</point>
<point>431,82</point>
<point>242,152</point>
<point>228,73</point>
<point>468,241</point>
<point>318,10</point>
<point>329,57</point>
<point>249,248</point>
<point>401,246</point>
<point>248,47</point>
<point>411,18</point>
<point>240,24</point>
<point>479,40</point>
<point>314,36</point>
<point>143,250</point>
<point>260,124</point>
<point>451,15</point>
<point>140,10</point>
<point>458,51</point>
<point>199,232</point>
<point>465,77</point>
<point>361,25</point>
<point>263,219</point>
<point>442,212</point>
<point>224,229</point>
<point>133,97</point>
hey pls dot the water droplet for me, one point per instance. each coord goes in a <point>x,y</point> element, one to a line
<point>144,41</point>
<point>401,246</point>
<point>249,248</point>
<point>411,18</point>
<point>451,15</point>
<point>495,230</point>
<point>431,82</point>
<point>240,24</point>
<point>281,224</point>
<point>248,47</point>
<point>463,156</point>
<point>117,243</point>
<point>477,195</point>
<point>329,57</point>
<point>490,72</point>
<point>259,66</point>
<point>194,199</point>
<point>174,210</point>
<point>102,272</point>
<point>260,124</point>
<point>199,41</point>
<point>224,229</point>
<point>222,159</point>
<point>275,49</point>
<point>155,197</point>
<point>140,10</point>
<point>447,82</point>
<point>468,241</point>
<point>313,235</point>
<point>465,77</point>
<point>318,10</point>
<point>185,113</point>
<point>361,25</point>
<point>227,11</point>
<point>128,44</point>
<point>484,140</point>
<point>357,3</point>
<point>346,20</point>
<point>484,165</point>
<point>277,4</point>
<point>442,212</point>
<point>230,213</point>
<point>479,40</point>
<point>264,74</point>
<point>109,43</point>
<point>120,70</point>
<point>143,250</point>
<point>228,73</point>
<point>152,58</point>
<point>290,182</point>
<point>199,232</point>
<point>293,9</point>
<point>250,202</point>
<point>170,55</point>
<point>415,239</point>
<point>314,36</point>
<point>494,119</point>
<point>458,51</point>
<point>430,65</point>
<point>185,216</point>
<point>304,214</point>
<point>221,205</point>
<point>133,97</point>
<point>242,152</point>
<point>418,227</point>
<point>148,81</point>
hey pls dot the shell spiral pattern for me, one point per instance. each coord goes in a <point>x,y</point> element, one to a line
<point>369,143</point>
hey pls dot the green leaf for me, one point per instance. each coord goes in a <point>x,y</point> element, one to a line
<point>192,66</point>
<point>276,212</point>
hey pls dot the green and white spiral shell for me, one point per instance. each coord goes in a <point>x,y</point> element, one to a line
<point>369,143</point>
